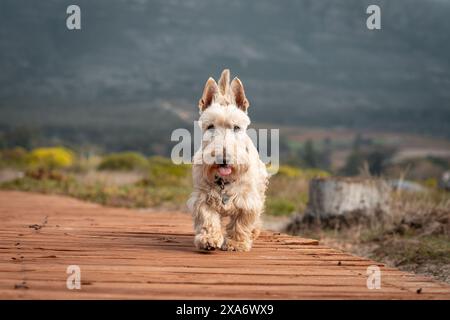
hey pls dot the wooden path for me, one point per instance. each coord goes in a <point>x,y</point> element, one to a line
<point>134,254</point>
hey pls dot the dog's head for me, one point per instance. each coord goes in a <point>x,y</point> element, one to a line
<point>224,121</point>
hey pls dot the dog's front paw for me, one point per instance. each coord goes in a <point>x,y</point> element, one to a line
<point>206,241</point>
<point>233,245</point>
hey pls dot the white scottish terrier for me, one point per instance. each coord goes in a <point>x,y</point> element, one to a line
<point>229,178</point>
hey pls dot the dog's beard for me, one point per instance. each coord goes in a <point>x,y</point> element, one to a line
<point>223,160</point>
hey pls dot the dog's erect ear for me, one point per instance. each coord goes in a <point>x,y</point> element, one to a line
<point>209,93</point>
<point>238,94</point>
<point>224,82</point>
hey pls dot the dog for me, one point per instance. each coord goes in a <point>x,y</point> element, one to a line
<point>229,178</point>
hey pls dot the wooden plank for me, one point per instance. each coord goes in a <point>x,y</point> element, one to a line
<point>125,254</point>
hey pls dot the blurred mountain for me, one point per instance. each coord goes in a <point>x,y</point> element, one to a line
<point>302,62</point>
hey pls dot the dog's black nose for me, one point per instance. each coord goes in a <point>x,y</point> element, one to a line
<point>223,160</point>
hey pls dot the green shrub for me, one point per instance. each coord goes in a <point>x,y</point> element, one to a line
<point>315,173</point>
<point>124,161</point>
<point>50,158</point>
<point>16,157</point>
<point>162,171</point>
<point>294,172</point>
<point>279,207</point>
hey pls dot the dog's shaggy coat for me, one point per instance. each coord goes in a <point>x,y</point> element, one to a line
<point>229,178</point>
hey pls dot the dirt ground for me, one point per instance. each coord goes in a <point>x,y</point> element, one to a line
<point>437,270</point>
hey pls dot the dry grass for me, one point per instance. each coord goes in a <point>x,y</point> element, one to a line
<point>426,213</point>
<point>415,236</point>
<point>9,174</point>
<point>114,178</point>
<point>286,195</point>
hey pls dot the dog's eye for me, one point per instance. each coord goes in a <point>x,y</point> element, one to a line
<point>210,127</point>
<point>236,128</point>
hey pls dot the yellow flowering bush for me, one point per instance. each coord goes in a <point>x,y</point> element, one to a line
<point>50,158</point>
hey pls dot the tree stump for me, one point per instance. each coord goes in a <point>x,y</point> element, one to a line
<point>345,201</point>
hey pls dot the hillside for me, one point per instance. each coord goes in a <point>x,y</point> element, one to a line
<point>303,63</point>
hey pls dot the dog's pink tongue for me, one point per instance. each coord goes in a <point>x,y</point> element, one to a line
<point>224,171</point>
